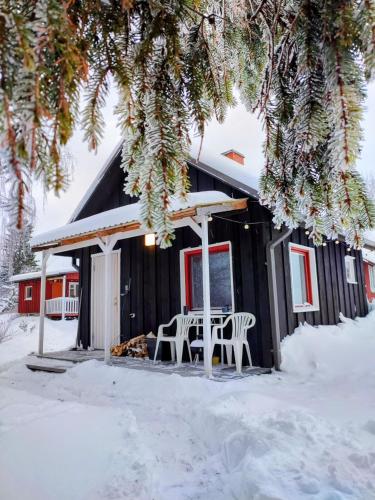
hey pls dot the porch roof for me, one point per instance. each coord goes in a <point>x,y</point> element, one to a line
<point>127,218</point>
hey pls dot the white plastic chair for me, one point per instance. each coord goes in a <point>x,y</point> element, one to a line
<point>241,323</point>
<point>182,335</point>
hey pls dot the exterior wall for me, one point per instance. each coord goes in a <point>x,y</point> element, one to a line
<point>33,306</point>
<point>154,274</point>
<point>370,293</point>
<point>29,306</point>
<point>335,293</point>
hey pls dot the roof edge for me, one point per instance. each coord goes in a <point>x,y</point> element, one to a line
<point>223,177</point>
<point>96,181</point>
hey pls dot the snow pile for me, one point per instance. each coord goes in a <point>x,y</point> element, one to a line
<point>21,336</point>
<point>331,351</point>
<point>111,433</point>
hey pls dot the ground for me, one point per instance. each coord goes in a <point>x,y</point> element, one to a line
<point>99,432</point>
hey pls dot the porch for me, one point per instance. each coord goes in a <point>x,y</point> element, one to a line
<point>104,233</point>
<point>62,306</point>
<point>68,358</point>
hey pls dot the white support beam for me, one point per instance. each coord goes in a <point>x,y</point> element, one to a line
<point>63,297</point>
<point>121,235</point>
<point>207,344</point>
<point>73,246</point>
<point>107,246</point>
<point>195,227</point>
<point>45,256</point>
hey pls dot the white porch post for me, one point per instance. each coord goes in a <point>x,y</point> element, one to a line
<point>107,247</point>
<point>63,297</point>
<point>108,309</point>
<point>207,349</point>
<point>45,256</point>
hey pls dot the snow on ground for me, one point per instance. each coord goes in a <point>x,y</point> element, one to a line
<point>99,432</point>
<point>21,336</point>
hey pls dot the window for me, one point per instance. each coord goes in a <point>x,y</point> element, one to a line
<point>351,276</point>
<point>28,292</point>
<point>73,289</point>
<point>371,271</point>
<point>221,282</point>
<point>304,278</point>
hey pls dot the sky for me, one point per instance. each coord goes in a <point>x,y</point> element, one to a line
<point>241,131</point>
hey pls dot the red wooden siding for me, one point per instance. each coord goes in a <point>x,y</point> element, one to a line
<point>53,290</point>
<point>370,294</point>
<point>29,306</point>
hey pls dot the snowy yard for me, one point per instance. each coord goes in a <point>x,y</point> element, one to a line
<point>100,432</point>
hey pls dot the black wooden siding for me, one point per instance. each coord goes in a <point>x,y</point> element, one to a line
<point>154,274</point>
<point>335,293</point>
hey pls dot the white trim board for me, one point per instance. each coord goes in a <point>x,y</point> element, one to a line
<point>315,306</point>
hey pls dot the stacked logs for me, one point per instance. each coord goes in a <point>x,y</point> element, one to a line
<point>136,348</point>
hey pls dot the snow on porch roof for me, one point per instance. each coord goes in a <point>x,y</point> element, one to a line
<point>130,215</point>
<point>33,275</point>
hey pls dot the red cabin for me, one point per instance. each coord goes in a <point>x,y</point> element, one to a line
<point>61,293</point>
<point>369,269</point>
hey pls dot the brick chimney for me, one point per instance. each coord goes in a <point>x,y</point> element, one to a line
<point>235,156</point>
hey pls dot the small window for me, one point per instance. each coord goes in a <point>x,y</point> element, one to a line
<point>371,270</point>
<point>304,278</point>
<point>351,276</point>
<point>28,292</point>
<point>73,289</point>
<point>221,282</point>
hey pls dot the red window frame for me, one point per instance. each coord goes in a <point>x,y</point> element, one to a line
<point>309,289</point>
<point>197,251</point>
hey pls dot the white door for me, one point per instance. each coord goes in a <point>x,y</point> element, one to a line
<point>98,294</point>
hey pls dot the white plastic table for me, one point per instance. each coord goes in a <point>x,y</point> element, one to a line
<point>216,318</point>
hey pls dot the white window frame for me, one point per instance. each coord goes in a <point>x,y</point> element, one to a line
<point>299,308</point>
<point>73,284</point>
<point>371,275</point>
<point>350,261</point>
<point>183,281</point>
<point>28,287</point>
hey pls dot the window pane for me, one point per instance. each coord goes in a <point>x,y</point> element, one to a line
<point>350,270</point>
<point>73,289</point>
<point>298,278</point>
<point>220,280</point>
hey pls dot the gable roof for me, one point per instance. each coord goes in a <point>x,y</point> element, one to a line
<point>212,163</point>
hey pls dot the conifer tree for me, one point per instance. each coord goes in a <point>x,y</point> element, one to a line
<point>302,64</point>
<point>24,259</point>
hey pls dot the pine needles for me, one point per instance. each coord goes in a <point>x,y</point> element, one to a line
<point>302,64</point>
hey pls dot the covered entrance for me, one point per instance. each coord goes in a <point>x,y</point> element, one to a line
<point>98,299</point>
<point>104,230</point>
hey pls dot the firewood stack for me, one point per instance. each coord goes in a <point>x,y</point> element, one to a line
<point>136,348</point>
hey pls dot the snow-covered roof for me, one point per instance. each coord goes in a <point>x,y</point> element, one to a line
<point>37,274</point>
<point>213,162</point>
<point>218,165</point>
<point>368,256</point>
<point>369,238</point>
<point>124,215</point>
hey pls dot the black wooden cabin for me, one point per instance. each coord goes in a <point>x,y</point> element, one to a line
<point>150,278</point>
